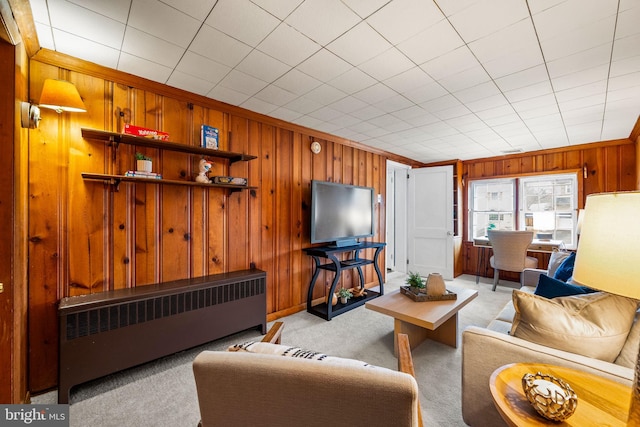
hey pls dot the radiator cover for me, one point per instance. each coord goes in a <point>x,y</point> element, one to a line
<point>106,332</point>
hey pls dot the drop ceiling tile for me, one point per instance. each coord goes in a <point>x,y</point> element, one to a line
<point>408,80</point>
<point>162,21</point>
<point>196,9</point>
<point>352,81</point>
<point>509,39</point>
<point>580,78</point>
<point>534,103</point>
<point>388,64</point>
<point>501,120</point>
<point>325,94</point>
<point>528,92</point>
<point>516,61</point>
<point>493,113</point>
<point>285,114</point>
<point>114,9</point>
<point>230,96</point>
<point>242,20</point>
<point>364,8</point>
<point>359,44</point>
<point>143,68</point>
<point>146,46</point>
<point>538,112</point>
<point>410,112</point>
<point>324,66</point>
<point>453,62</point>
<point>571,15</point>
<point>552,138</point>
<point>328,127</point>
<point>584,133</point>
<point>87,49</point>
<point>583,115</point>
<point>577,93</point>
<point>421,47</point>
<point>242,82</point>
<point>624,81</point>
<point>84,23</point>
<point>425,93</point>
<point>374,94</point>
<point>466,79</point>
<point>450,113</point>
<point>202,68</point>
<point>262,66</point>
<point>625,66</point>
<point>508,130</point>
<point>580,61</point>
<point>523,78</point>
<point>258,105</point>
<point>580,39</point>
<point>304,105</point>
<point>45,36</point>
<point>189,83</point>
<point>424,119</point>
<point>297,82</point>
<point>545,123</point>
<point>348,104</point>
<point>487,16</point>
<point>628,19</point>
<point>40,12</point>
<point>367,113</point>
<point>219,47</point>
<point>325,114</point>
<point>631,93</point>
<point>465,123</point>
<point>298,46</point>
<point>401,19</point>
<point>488,103</point>
<point>334,16</point>
<point>279,8</point>
<point>394,103</point>
<point>275,95</point>
<point>538,6</point>
<point>475,93</point>
<point>345,120</point>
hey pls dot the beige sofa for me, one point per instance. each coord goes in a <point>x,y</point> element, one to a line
<point>486,349</point>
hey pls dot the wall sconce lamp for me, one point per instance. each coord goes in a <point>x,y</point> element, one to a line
<point>58,95</point>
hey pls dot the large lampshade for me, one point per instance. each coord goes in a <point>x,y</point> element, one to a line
<point>61,95</point>
<point>608,257</point>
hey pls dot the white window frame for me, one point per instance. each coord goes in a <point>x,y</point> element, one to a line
<point>519,213</point>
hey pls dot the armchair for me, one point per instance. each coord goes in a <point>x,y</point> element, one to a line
<point>241,388</point>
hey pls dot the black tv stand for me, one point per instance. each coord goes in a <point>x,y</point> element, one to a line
<point>327,311</point>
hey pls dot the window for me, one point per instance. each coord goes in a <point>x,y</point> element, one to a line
<point>492,206</point>
<point>546,204</point>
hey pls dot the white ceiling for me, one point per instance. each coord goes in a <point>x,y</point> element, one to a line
<point>429,80</point>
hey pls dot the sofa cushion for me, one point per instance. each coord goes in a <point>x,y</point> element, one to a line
<point>629,353</point>
<point>297,352</point>
<point>551,288</point>
<point>594,325</point>
<point>565,270</point>
<point>556,258</point>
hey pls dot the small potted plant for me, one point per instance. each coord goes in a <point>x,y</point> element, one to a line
<point>415,282</point>
<point>344,295</point>
<point>143,163</point>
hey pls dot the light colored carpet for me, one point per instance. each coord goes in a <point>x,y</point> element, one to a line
<point>162,393</point>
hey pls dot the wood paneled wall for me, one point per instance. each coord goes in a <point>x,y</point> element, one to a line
<point>86,237</point>
<point>604,166</point>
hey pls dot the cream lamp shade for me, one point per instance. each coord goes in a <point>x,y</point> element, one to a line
<point>61,95</point>
<point>608,256</point>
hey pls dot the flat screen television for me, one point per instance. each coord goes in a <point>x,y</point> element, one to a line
<point>341,213</point>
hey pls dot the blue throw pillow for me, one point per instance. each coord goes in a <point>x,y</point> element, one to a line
<point>549,287</point>
<point>565,270</point>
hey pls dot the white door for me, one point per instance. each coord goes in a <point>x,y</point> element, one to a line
<point>430,221</point>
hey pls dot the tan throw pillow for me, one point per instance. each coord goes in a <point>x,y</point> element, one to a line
<point>593,325</point>
<point>629,353</point>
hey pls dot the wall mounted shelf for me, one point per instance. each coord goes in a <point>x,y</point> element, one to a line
<point>115,180</point>
<point>115,139</point>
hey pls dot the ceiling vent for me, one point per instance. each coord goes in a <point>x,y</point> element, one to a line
<point>512,151</point>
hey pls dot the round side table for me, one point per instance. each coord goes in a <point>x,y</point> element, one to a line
<point>600,401</point>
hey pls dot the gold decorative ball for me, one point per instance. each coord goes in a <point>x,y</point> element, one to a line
<point>551,397</point>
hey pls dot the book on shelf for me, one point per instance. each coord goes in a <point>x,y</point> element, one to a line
<point>145,132</point>
<point>142,174</point>
<point>229,180</point>
<point>209,137</point>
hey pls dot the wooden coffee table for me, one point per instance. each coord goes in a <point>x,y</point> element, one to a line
<point>435,320</point>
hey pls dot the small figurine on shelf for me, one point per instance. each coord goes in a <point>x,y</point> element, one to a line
<point>205,166</point>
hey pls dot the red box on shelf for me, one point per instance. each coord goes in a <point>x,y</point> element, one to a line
<point>145,132</point>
